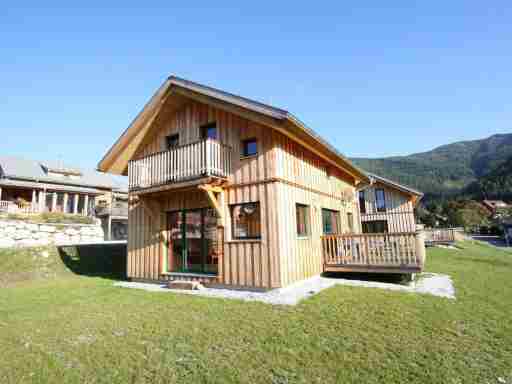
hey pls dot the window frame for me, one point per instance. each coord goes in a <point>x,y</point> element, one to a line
<point>307,220</point>
<point>244,153</point>
<point>175,136</point>
<point>203,131</point>
<point>362,202</point>
<point>338,223</point>
<point>378,207</point>
<point>233,221</point>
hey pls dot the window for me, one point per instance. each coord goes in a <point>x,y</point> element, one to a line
<point>246,221</point>
<point>362,203</point>
<point>375,226</point>
<point>380,200</point>
<point>302,212</point>
<point>249,148</point>
<point>71,203</point>
<point>172,141</point>
<point>209,131</point>
<point>350,222</point>
<point>81,204</point>
<point>59,207</point>
<point>49,201</point>
<point>330,221</point>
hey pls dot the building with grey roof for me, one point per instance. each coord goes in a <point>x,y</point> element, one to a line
<point>31,186</point>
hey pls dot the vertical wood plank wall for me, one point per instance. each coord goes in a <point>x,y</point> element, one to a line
<point>279,176</point>
<point>399,209</point>
<point>307,182</point>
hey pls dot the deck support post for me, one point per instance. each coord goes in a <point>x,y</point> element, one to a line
<point>75,205</point>
<point>216,202</point>
<point>420,247</point>
<point>54,201</point>
<point>86,206</point>
<point>34,200</point>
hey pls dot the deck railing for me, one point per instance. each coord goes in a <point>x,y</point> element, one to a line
<point>15,207</point>
<point>373,251</point>
<point>199,159</point>
<point>439,236</point>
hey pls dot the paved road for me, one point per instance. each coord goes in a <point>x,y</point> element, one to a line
<point>493,240</point>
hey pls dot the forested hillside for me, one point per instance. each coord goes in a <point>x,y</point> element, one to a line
<point>452,168</point>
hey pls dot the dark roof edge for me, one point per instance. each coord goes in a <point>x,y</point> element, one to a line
<point>395,184</point>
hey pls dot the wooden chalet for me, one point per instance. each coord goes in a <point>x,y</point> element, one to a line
<point>233,192</point>
<point>387,207</point>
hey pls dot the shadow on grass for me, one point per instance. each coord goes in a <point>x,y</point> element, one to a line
<point>104,260</point>
<point>393,278</point>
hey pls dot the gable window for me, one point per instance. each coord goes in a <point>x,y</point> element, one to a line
<point>330,221</point>
<point>380,200</point>
<point>172,141</point>
<point>249,148</point>
<point>362,203</point>
<point>209,131</point>
<point>302,212</point>
<point>246,221</point>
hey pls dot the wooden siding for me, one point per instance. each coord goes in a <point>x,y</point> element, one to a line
<point>305,179</point>
<point>282,174</point>
<point>399,209</point>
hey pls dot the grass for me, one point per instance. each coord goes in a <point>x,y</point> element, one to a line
<point>78,329</point>
<point>51,218</point>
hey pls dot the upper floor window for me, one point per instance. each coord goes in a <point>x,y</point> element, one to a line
<point>302,212</point>
<point>362,203</point>
<point>172,141</point>
<point>330,221</point>
<point>249,148</point>
<point>246,221</point>
<point>380,200</point>
<point>209,131</point>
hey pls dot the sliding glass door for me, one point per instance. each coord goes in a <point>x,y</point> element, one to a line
<point>192,241</point>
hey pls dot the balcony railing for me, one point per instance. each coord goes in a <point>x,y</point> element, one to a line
<point>374,252</point>
<point>191,161</point>
<point>119,209</point>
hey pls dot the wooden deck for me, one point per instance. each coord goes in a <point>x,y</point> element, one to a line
<point>439,236</point>
<point>203,158</point>
<point>375,253</point>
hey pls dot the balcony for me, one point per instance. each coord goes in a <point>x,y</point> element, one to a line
<point>116,209</point>
<point>374,252</point>
<point>201,159</point>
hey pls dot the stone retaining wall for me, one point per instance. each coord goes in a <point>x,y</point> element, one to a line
<point>15,233</point>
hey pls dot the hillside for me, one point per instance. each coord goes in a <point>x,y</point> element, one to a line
<point>446,169</point>
<point>496,184</point>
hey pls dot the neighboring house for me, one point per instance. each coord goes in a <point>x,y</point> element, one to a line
<point>233,192</point>
<point>29,186</point>
<point>386,206</point>
<point>494,206</point>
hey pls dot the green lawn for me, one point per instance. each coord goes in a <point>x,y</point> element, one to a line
<point>69,328</point>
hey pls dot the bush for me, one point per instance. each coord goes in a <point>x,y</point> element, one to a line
<point>53,218</point>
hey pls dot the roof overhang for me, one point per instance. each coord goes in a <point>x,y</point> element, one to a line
<point>175,89</point>
<point>414,195</point>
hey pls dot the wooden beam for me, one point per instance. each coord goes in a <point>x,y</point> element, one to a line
<point>210,193</point>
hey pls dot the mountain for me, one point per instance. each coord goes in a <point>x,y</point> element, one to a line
<point>496,184</point>
<point>445,170</point>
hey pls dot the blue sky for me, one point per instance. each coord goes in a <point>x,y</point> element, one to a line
<point>374,78</point>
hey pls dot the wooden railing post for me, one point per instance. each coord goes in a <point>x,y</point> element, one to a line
<point>420,247</point>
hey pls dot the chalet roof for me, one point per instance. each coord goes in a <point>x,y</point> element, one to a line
<point>21,169</point>
<point>277,118</point>
<point>396,185</point>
